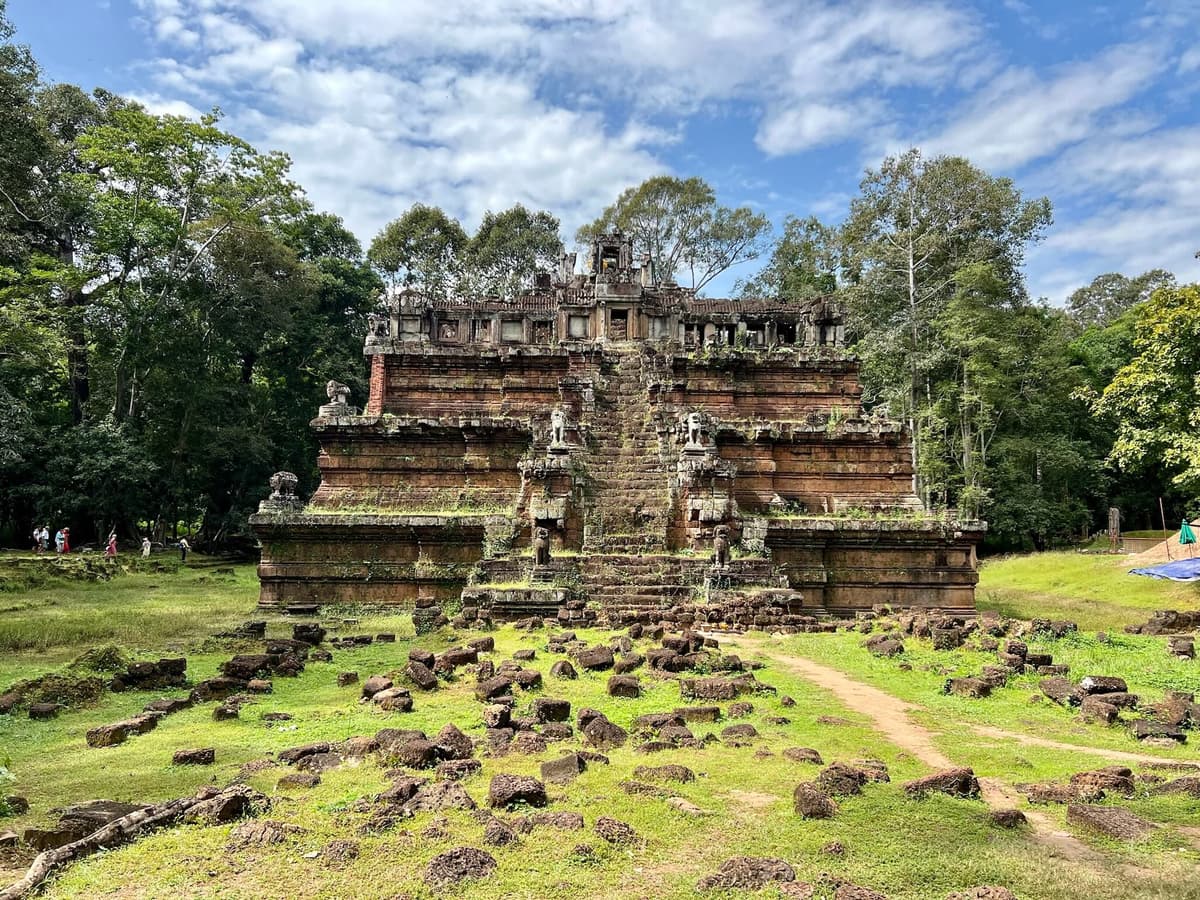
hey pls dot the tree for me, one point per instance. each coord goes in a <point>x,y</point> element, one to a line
<point>804,263</point>
<point>1154,401</point>
<point>678,224</point>
<point>914,227</point>
<point>421,249</point>
<point>1110,295</point>
<point>508,249</point>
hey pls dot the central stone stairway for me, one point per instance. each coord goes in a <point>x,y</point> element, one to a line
<point>629,499</point>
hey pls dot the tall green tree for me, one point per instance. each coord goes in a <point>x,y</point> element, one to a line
<point>422,250</point>
<point>805,262</point>
<point>508,249</point>
<point>1153,402</point>
<point>1110,295</point>
<point>679,224</point>
<point>915,226</point>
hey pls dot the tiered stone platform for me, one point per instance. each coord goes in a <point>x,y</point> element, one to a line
<point>601,439</point>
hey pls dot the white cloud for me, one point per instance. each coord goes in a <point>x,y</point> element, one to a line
<point>1021,116</point>
<point>1133,205</point>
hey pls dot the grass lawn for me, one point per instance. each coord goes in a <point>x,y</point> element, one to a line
<point>907,849</point>
<point>1094,590</point>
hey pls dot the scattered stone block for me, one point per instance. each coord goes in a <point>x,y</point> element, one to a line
<point>457,865</point>
<point>548,709</point>
<point>748,873</point>
<point>394,700</point>
<point>699,713</point>
<point>603,734</point>
<point>107,735</point>
<point>374,685</point>
<point>1007,818</point>
<point>595,659</point>
<point>841,779</point>
<point>803,755</point>
<point>1102,684</point>
<point>507,790</point>
<point>614,831</point>
<point>624,686</point>
<point>681,774</point>
<point>1094,708</point>
<point>345,679</point>
<point>563,669</point>
<point>1060,690</point>
<point>43,711</point>
<point>811,802</point>
<point>205,756</point>
<point>974,688</point>
<point>563,770</point>
<point>958,782</point>
<point>1146,729</point>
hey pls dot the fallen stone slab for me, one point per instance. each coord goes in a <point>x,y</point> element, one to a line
<point>957,782</point>
<point>1113,821</point>
<point>681,774</point>
<point>748,873</point>
<point>204,756</point>
<point>458,865</point>
<point>294,754</point>
<point>1102,684</point>
<point>1147,729</point>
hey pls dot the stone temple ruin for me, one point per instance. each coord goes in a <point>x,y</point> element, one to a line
<point>613,439</point>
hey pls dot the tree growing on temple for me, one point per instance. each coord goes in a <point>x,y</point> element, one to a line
<point>508,249</point>
<point>420,250</point>
<point>679,225</point>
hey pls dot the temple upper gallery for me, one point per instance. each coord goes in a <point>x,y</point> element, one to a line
<point>613,439</point>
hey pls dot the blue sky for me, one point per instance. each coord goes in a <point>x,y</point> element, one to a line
<point>559,104</point>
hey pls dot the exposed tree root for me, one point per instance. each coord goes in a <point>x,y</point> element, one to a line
<point>114,834</point>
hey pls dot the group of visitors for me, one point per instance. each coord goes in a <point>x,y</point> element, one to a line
<point>41,540</point>
<point>62,543</point>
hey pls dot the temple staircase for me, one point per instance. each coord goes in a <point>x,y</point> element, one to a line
<point>629,497</point>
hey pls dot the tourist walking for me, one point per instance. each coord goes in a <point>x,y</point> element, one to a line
<point>60,541</point>
<point>37,539</point>
<point>111,549</point>
<point>44,540</point>
<point>184,547</point>
<point>66,533</point>
<point>145,548</point>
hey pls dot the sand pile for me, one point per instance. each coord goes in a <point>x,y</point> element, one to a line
<point>1158,553</point>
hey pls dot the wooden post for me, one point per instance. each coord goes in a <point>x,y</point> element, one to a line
<point>1162,514</point>
<point>1114,529</point>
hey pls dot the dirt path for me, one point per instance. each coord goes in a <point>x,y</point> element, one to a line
<point>890,716</point>
<point>1035,741</point>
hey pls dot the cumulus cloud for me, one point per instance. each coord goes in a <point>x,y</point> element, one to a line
<point>560,104</point>
<point>555,103</point>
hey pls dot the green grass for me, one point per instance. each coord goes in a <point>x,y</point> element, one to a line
<point>909,850</point>
<point>747,797</point>
<point>1095,590</point>
<point>1142,661</point>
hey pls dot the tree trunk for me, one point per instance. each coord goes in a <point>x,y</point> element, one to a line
<point>111,835</point>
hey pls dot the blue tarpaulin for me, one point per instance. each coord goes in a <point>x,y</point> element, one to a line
<point>1180,570</point>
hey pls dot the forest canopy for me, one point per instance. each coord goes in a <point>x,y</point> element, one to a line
<point>172,305</point>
